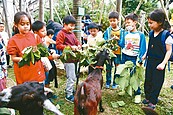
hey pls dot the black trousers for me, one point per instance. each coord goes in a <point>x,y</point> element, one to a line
<point>8,59</point>
<point>154,79</point>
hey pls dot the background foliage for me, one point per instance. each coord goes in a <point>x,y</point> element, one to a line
<point>93,8</point>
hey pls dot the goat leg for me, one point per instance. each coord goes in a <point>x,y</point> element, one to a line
<point>100,106</point>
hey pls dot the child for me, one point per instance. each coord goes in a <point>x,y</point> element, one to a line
<point>86,20</point>
<point>94,37</point>
<point>116,33</point>
<point>3,64</point>
<point>48,38</point>
<point>95,34</point>
<point>135,45</point>
<point>157,57</point>
<point>39,28</point>
<point>5,38</point>
<point>24,38</point>
<point>67,38</point>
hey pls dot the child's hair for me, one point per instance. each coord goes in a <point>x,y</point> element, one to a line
<point>132,16</point>
<point>114,14</point>
<point>159,16</point>
<point>17,18</point>
<point>50,32</point>
<point>69,19</point>
<point>92,26</point>
<point>37,25</point>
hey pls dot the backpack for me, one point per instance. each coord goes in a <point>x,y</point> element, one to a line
<point>163,39</point>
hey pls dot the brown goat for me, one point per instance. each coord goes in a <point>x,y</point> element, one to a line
<point>88,94</point>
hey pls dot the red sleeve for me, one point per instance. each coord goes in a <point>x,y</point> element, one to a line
<point>60,41</point>
<point>12,48</point>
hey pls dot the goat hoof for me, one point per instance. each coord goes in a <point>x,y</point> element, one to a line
<point>101,110</point>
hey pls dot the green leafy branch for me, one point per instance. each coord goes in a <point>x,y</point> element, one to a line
<point>85,57</point>
<point>33,54</point>
<point>130,77</point>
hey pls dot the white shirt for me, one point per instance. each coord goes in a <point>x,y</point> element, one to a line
<point>5,37</point>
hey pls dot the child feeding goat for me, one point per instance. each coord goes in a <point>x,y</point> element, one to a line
<point>88,94</point>
<point>28,98</point>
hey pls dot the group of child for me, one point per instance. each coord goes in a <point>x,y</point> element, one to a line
<point>131,47</point>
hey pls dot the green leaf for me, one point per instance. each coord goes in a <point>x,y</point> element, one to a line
<point>122,81</point>
<point>129,90</point>
<point>121,103</point>
<point>120,68</point>
<point>117,104</point>
<point>134,82</point>
<point>32,58</point>
<point>114,105</point>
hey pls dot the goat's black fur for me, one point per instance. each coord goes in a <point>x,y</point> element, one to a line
<point>28,98</point>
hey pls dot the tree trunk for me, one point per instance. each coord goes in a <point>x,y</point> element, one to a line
<point>119,9</point>
<point>41,10</point>
<point>101,11</point>
<point>77,31</point>
<point>51,9</point>
<point>6,18</point>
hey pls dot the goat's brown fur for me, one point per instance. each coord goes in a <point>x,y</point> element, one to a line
<point>88,94</point>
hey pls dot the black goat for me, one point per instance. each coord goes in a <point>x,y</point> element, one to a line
<point>88,94</point>
<point>28,98</point>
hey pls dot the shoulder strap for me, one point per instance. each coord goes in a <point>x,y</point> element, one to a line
<point>163,38</point>
<point>151,33</point>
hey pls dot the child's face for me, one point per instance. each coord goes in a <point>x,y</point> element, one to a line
<point>131,23</point>
<point>23,25</point>
<point>93,31</point>
<point>69,27</point>
<point>1,27</point>
<point>113,22</point>
<point>42,32</point>
<point>153,25</point>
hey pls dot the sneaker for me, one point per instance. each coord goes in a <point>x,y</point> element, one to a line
<point>107,86</point>
<point>9,66</point>
<point>172,87</point>
<point>70,99</point>
<point>115,86</point>
<point>152,106</point>
<point>145,101</point>
<point>138,99</point>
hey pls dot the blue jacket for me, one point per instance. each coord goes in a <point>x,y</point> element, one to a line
<point>107,36</point>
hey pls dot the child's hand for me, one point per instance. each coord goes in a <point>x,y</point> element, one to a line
<point>116,38</point>
<point>79,47</point>
<point>55,56</point>
<point>74,48</point>
<point>161,66</point>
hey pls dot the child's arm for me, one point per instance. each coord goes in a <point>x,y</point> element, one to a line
<point>15,58</point>
<point>60,41</point>
<point>142,49</point>
<point>51,41</point>
<point>161,66</point>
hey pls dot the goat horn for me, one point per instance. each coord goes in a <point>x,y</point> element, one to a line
<point>49,106</point>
